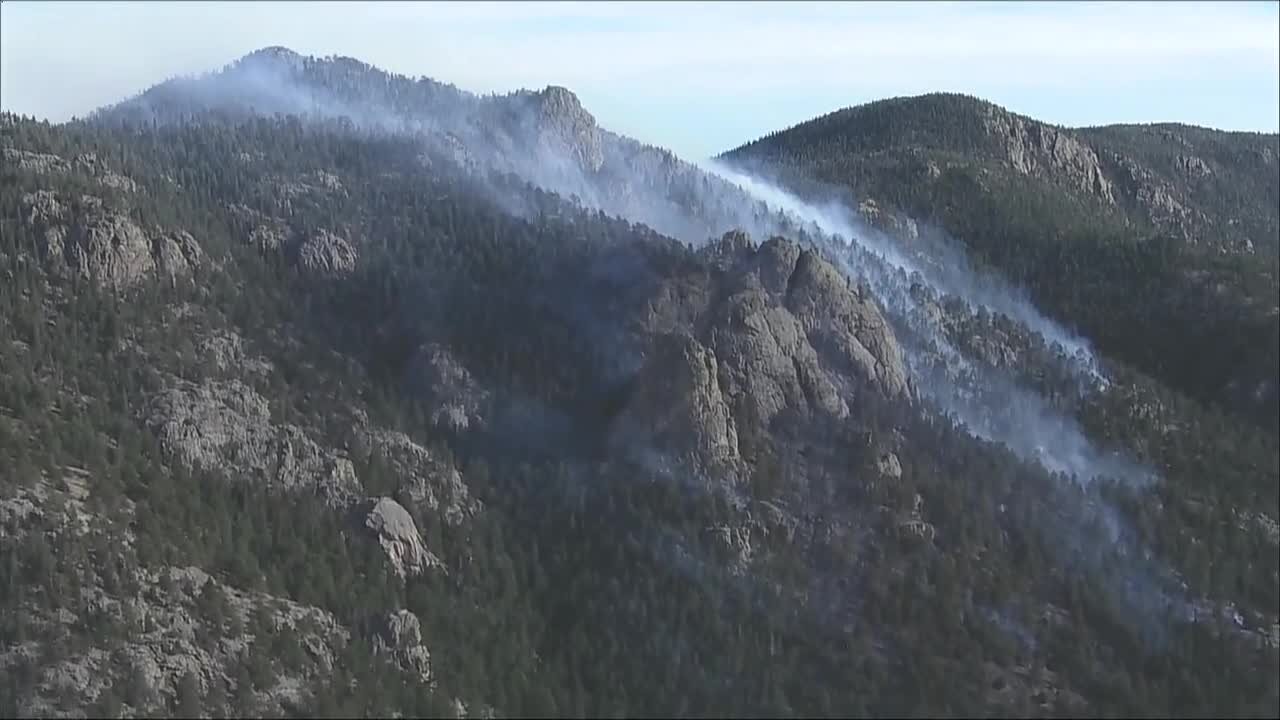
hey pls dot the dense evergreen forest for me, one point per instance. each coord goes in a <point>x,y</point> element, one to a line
<point>177,541</point>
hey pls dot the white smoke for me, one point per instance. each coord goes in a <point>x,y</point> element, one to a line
<point>948,273</point>
<point>991,405</point>
<point>650,186</point>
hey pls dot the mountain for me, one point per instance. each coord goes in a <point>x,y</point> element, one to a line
<point>544,137</point>
<point>328,391</point>
<point>1159,242</point>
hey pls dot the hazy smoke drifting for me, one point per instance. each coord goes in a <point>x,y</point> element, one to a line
<point>643,184</point>
<point>992,406</point>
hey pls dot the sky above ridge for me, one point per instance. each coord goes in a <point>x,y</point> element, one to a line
<point>698,78</point>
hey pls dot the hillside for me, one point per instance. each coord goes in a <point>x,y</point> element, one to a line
<point>328,392</point>
<point>1158,242</point>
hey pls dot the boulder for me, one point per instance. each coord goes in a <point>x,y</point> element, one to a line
<point>889,467</point>
<point>398,535</point>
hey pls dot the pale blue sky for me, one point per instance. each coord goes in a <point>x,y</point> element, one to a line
<point>694,77</point>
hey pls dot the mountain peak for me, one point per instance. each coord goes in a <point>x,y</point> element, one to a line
<point>559,93</point>
<point>565,119</point>
<point>275,51</point>
<point>559,101</point>
<point>272,55</point>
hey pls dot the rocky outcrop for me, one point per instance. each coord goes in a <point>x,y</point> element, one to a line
<point>846,321</point>
<point>266,238</point>
<point>89,164</point>
<point>733,543</point>
<point>83,238</point>
<point>86,163</point>
<point>889,467</point>
<point>426,481</point>
<point>40,502</point>
<point>400,637</point>
<point>298,462</point>
<point>225,426</point>
<point>1193,167</point>
<point>912,526</point>
<point>567,128</point>
<point>321,253</point>
<point>769,331</point>
<point>1040,150</point>
<point>681,408</point>
<point>324,253</point>
<point>1163,204</point>
<point>891,222</point>
<point>224,351</point>
<point>434,373</point>
<point>398,535</point>
<point>35,162</point>
<point>162,632</point>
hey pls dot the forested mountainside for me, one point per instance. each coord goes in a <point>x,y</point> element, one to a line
<point>1159,242</point>
<point>307,414</point>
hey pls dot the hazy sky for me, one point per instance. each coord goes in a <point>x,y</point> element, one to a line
<point>695,77</point>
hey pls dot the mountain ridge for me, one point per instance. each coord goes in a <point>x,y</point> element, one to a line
<point>518,452</point>
<point>1033,199</point>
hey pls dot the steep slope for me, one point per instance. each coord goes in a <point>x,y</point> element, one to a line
<point>1151,240</point>
<point>545,137</point>
<point>533,457</point>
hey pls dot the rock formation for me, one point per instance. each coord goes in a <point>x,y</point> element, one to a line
<point>84,238</point>
<point>1041,150</point>
<point>225,426</point>
<point>771,330</point>
<point>447,386</point>
<point>426,481</point>
<point>395,530</point>
<point>568,128</point>
<point>401,637</point>
<point>325,253</point>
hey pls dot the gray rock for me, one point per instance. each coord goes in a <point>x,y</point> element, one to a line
<point>91,165</point>
<point>226,426</point>
<point>159,643</point>
<point>213,424</point>
<point>402,630</point>
<point>567,126</point>
<point>401,638</point>
<point>846,320</point>
<point>682,407</point>
<point>437,375</point>
<point>300,462</point>
<point>105,245</point>
<point>398,535</point>
<point>1040,150</point>
<point>774,330</point>
<point>87,164</point>
<point>35,162</point>
<point>267,238</point>
<point>889,467</point>
<point>734,544</point>
<point>327,254</point>
<point>224,350</point>
<point>427,481</point>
